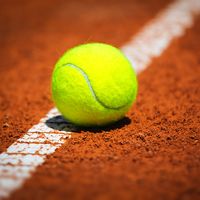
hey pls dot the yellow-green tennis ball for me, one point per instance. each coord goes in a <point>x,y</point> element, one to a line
<point>93,84</point>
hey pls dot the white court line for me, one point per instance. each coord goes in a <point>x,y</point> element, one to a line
<point>23,156</point>
<point>156,36</point>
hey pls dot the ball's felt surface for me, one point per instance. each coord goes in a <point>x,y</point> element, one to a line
<point>93,84</point>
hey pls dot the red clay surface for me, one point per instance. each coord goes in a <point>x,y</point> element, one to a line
<point>152,154</point>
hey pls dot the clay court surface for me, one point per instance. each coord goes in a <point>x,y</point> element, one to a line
<point>153,153</point>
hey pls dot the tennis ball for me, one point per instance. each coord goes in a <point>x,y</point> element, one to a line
<point>93,84</point>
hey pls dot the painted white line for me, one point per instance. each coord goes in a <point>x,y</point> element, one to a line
<point>30,151</point>
<point>16,171</point>
<point>52,122</point>
<point>22,157</point>
<point>43,138</point>
<point>25,148</point>
<point>156,36</point>
<point>20,160</point>
<point>7,185</point>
